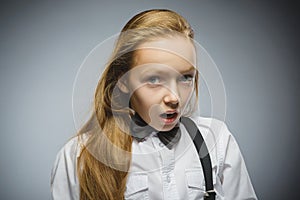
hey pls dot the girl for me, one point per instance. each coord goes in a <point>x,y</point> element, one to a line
<point>135,145</point>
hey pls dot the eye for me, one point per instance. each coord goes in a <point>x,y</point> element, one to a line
<point>186,78</point>
<point>154,80</point>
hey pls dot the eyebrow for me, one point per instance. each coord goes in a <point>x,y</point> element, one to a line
<point>192,68</point>
<point>157,70</point>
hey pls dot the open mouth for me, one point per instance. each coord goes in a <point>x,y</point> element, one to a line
<point>169,117</point>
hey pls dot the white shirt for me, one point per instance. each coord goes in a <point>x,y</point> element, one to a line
<point>159,173</point>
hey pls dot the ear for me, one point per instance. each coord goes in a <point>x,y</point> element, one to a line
<point>123,86</point>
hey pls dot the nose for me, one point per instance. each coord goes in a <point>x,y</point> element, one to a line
<point>171,97</point>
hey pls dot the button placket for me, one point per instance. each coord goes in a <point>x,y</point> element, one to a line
<point>161,144</point>
<point>167,171</point>
<point>168,178</point>
<point>169,183</point>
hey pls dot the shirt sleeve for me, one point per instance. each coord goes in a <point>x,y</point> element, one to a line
<point>64,183</point>
<point>235,179</point>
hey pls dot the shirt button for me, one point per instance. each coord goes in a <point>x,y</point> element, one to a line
<point>168,179</point>
<point>161,144</point>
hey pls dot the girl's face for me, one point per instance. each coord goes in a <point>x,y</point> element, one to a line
<point>162,80</point>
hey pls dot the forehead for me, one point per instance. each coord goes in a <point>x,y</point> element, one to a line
<point>174,52</point>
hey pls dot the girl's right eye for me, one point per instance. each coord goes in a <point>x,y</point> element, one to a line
<point>153,80</point>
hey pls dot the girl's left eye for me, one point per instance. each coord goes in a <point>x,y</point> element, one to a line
<point>186,78</point>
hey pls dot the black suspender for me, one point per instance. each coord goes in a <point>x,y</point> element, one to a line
<point>203,155</point>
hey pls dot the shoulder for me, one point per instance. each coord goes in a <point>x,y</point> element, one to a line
<point>64,182</point>
<point>227,159</point>
<point>217,137</point>
<point>66,157</point>
<point>71,148</point>
<point>212,127</point>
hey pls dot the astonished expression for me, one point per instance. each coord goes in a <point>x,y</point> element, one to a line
<point>162,80</point>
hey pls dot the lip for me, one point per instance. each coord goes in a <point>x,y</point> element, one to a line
<point>168,120</point>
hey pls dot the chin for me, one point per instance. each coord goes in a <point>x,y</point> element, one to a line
<point>161,126</point>
<point>167,127</point>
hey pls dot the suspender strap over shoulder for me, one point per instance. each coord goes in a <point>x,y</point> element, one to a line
<point>203,155</point>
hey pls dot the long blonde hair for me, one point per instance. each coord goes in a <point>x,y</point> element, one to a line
<point>104,176</point>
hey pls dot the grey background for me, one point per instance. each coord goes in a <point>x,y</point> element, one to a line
<point>255,44</point>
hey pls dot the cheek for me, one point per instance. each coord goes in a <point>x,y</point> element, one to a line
<point>185,94</point>
<point>141,100</point>
<point>147,103</point>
